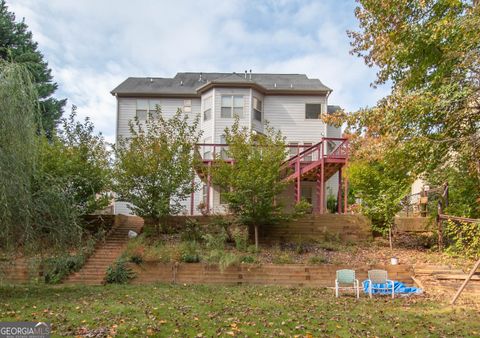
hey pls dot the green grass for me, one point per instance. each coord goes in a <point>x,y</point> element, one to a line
<point>186,311</point>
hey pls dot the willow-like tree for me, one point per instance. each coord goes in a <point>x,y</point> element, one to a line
<point>34,210</point>
<point>155,164</point>
<point>254,180</point>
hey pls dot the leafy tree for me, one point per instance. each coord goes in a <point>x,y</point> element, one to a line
<point>429,50</point>
<point>17,45</point>
<point>80,160</point>
<point>254,180</point>
<point>154,166</point>
<point>380,189</point>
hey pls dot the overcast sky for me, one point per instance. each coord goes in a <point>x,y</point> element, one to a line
<point>93,45</point>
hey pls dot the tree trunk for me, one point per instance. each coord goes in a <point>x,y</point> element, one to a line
<point>256,236</point>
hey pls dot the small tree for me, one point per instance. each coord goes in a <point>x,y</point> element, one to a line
<point>254,180</point>
<point>79,160</point>
<point>154,166</point>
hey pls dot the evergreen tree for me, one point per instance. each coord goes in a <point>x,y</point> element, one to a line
<point>17,45</point>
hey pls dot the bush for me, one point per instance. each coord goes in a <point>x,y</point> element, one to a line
<point>302,208</point>
<point>315,260</point>
<point>162,253</point>
<point>119,272</point>
<point>216,241</point>
<point>283,258</point>
<point>190,252</point>
<point>57,268</point>
<point>332,203</point>
<point>191,231</point>
<point>464,238</point>
<point>240,236</point>
<point>248,259</point>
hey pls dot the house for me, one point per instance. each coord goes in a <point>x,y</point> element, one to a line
<point>292,103</point>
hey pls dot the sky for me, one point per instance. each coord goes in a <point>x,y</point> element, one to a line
<point>93,45</point>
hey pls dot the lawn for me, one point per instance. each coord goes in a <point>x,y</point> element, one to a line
<point>189,311</point>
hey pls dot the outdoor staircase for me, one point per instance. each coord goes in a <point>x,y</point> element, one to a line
<point>106,253</point>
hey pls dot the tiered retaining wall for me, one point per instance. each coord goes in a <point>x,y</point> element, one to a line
<point>265,274</point>
<point>351,227</point>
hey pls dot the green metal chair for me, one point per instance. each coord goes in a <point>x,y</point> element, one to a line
<point>346,277</point>
<point>380,277</point>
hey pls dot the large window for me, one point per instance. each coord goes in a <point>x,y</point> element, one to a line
<point>257,109</point>
<point>207,109</point>
<point>313,111</point>
<point>232,106</point>
<point>308,157</point>
<point>144,106</point>
<point>294,150</point>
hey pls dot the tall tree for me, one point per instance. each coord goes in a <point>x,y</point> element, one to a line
<point>154,166</point>
<point>429,50</point>
<point>254,180</point>
<point>17,45</point>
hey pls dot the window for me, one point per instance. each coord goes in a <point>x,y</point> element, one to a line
<point>308,157</point>
<point>307,193</point>
<point>204,193</point>
<point>257,109</point>
<point>223,150</point>
<point>222,192</point>
<point>207,109</point>
<point>231,106</point>
<point>207,150</point>
<point>144,106</point>
<point>313,110</point>
<point>187,106</point>
<point>294,148</point>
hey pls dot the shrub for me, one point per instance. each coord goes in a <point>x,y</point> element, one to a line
<point>119,272</point>
<point>248,259</point>
<point>315,260</point>
<point>216,241</point>
<point>190,252</point>
<point>57,268</point>
<point>302,208</point>
<point>240,236</point>
<point>283,258</point>
<point>332,203</point>
<point>252,249</point>
<point>162,253</point>
<point>191,231</point>
<point>464,238</point>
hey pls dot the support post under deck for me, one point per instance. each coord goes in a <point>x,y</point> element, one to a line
<point>339,193</point>
<point>322,187</point>
<point>298,192</point>
<point>208,187</point>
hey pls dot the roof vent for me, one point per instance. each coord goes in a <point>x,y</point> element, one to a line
<point>200,79</point>
<point>151,80</point>
<point>245,74</point>
<point>181,83</point>
<point>250,74</point>
<point>274,85</point>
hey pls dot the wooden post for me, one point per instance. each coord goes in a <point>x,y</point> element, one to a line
<point>322,187</point>
<point>464,284</point>
<point>339,194</point>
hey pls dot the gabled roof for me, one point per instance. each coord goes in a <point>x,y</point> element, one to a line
<point>193,84</point>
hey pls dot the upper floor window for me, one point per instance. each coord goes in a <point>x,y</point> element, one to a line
<point>257,109</point>
<point>187,106</point>
<point>207,108</point>
<point>231,106</point>
<point>313,110</point>
<point>144,106</point>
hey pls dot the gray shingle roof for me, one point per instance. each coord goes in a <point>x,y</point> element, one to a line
<point>189,83</point>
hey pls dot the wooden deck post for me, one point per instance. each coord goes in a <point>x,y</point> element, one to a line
<point>208,187</point>
<point>322,187</point>
<point>339,193</point>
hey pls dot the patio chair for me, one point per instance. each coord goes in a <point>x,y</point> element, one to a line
<point>380,277</point>
<point>346,276</point>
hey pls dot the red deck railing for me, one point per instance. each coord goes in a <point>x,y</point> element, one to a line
<point>301,159</point>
